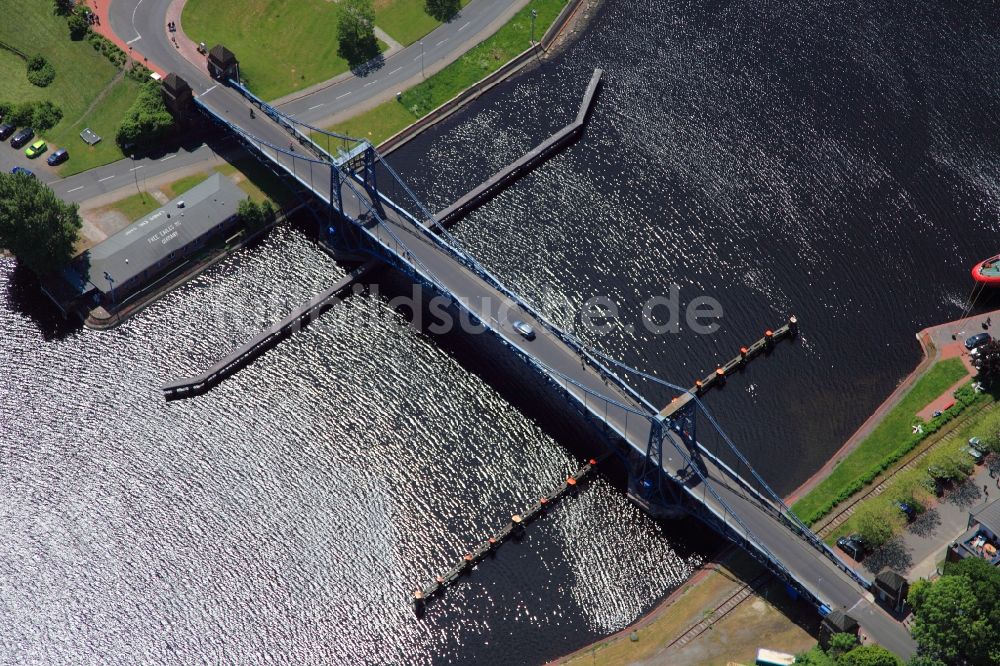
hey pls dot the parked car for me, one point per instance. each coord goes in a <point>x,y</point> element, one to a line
<point>977,455</point>
<point>907,509</point>
<point>853,545</point>
<point>524,329</point>
<point>36,149</point>
<point>977,340</point>
<point>21,170</point>
<point>5,131</point>
<point>22,137</point>
<point>58,157</point>
<point>977,444</point>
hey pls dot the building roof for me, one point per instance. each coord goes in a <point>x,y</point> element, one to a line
<point>841,621</point>
<point>988,516</point>
<point>890,580</point>
<point>175,84</point>
<point>144,243</point>
<point>221,55</point>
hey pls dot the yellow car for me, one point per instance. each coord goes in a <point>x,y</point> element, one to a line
<point>36,149</point>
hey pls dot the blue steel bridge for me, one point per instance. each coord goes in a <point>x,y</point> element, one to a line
<point>351,188</point>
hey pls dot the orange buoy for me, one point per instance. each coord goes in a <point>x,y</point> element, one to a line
<point>439,579</point>
<point>516,519</point>
<point>744,352</point>
<point>468,557</point>
<point>570,481</point>
<point>492,541</point>
<point>544,500</point>
<point>720,372</point>
<point>592,461</point>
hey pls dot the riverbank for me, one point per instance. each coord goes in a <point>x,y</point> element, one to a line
<point>663,630</point>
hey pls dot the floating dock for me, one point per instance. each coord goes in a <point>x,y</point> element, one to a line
<point>294,321</point>
<point>513,529</point>
<point>527,162</point>
<point>301,316</point>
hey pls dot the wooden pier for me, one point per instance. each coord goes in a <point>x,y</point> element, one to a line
<point>762,346</point>
<point>513,529</point>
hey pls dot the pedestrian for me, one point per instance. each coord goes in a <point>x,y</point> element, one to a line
<point>986,490</point>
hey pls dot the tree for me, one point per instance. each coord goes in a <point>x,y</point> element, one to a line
<point>815,657</point>
<point>356,31</point>
<point>146,121</point>
<point>40,71</point>
<point>62,7</point>
<point>443,10</point>
<point>989,362</point>
<point>35,225</point>
<point>924,660</point>
<point>877,521</point>
<point>256,215</point>
<point>950,623</point>
<point>78,26</point>
<point>869,655</point>
<point>841,643</point>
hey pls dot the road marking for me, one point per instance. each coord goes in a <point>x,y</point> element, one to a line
<point>418,57</point>
<point>344,95</point>
<point>464,26</point>
<point>168,157</point>
<point>133,41</point>
<point>394,71</point>
<point>138,167</point>
<point>104,179</point>
<point>133,20</point>
<point>371,83</point>
<point>314,107</point>
<point>210,90</point>
<point>74,189</point>
<point>441,42</point>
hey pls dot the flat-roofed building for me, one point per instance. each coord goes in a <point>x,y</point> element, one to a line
<point>134,257</point>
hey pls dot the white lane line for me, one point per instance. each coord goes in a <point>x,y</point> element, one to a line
<point>168,157</point>
<point>371,83</point>
<point>441,42</point>
<point>344,95</point>
<point>464,26</point>
<point>133,41</point>
<point>315,107</point>
<point>394,71</point>
<point>138,167</point>
<point>74,189</point>
<point>104,179</point>
<point>210,90</point>
<point>418,57</point>
<point>133,19</point>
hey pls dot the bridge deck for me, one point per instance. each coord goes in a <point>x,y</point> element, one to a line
<point>565,364</point>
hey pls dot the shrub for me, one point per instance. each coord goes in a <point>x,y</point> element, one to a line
<point>45,116</point>
<point>5,109</point>
<point>40,71</point>
<point>147,120</point>
<point>78,26</point>
<point>442,10</point>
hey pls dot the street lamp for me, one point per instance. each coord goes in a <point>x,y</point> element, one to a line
<point>111,281</point>
<point>422,75</point>
<point>534,15</point>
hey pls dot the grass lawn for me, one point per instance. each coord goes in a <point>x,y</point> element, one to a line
<point>406,21</point>
<point>386,119</point>
<point>893,431</point>
<point>136,206</point>
<point>182,185</point>
<point>282,46</point>
<point>81,75</point>
<point>982,422</point>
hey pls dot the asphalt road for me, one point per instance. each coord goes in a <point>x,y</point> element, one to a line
<point>558,358</point>
<point>142,23</point>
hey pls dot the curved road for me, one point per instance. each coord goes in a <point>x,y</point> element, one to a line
<point>142,24</point>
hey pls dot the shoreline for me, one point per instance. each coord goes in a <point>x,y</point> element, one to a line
<point>932,340</point>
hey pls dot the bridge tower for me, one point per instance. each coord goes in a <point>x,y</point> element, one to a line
<point>649,485</point>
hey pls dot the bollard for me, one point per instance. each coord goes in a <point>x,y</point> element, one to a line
<point>793,324</point>
<point>518,526</point>
<point>744,352</point>
<point>418,602</point>
<point>720,374</point>
<point>697,386</point>
<point>768,338</point>
<point>466,562</point>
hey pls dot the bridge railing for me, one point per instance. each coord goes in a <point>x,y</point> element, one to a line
<point>779,508</point>
<point>303,131</point>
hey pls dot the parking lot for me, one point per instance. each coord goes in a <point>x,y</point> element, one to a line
<point>12,157</point>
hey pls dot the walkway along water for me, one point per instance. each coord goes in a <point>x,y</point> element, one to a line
<point>302,315</point>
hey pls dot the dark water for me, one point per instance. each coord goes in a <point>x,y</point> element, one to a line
<point>835,160</point>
